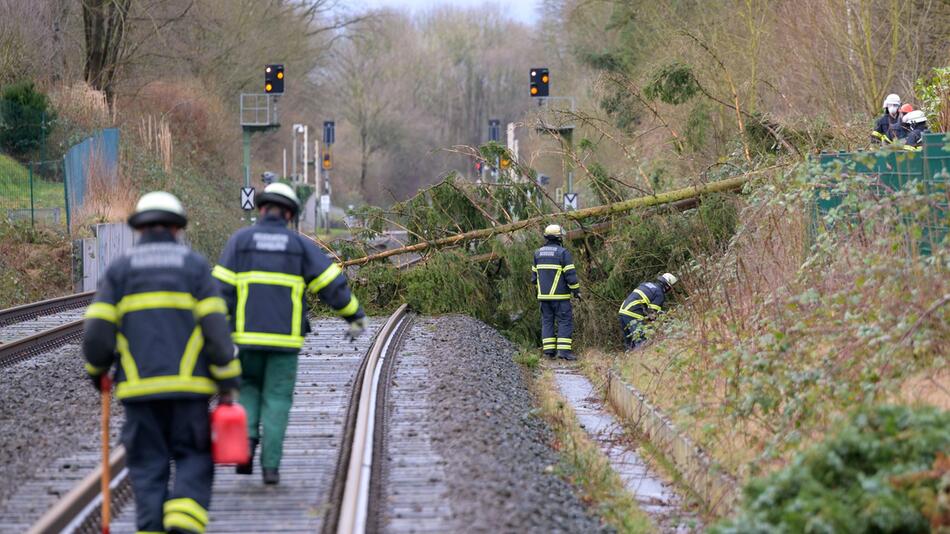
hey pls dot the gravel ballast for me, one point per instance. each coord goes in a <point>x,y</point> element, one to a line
<point>494,452</point>
<point>48,411</point>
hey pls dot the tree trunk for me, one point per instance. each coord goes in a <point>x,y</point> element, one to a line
<point>104,26</point>
<point>596,211</point>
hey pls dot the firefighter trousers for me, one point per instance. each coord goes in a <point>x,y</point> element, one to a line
<point>155,433</point>
<point>267,392</point>
<point>632,330</point>
<point>557,326</point>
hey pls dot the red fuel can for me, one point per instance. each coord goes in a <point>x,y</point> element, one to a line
<point>229,434</point>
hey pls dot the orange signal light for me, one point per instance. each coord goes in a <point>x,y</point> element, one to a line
<point>280,75</point>
<point>534,90</point>
<point>544,79</point>
<point>268,88</point>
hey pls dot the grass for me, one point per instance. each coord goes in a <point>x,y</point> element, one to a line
<point>15,187</point>
<point>584,466</point>
<point>780,337</point>
<point>528,358</point>
<point>35,264</point>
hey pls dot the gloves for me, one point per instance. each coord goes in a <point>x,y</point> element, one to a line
<point>576,293</point>
<point>355,329</point>
<point>228,396</point>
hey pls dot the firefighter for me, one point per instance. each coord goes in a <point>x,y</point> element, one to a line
<point>555,278</point>
<point>159,313</point>
<point>888,127</point>
<point>916,124</point>
<point>265,272</point>
<point>643,305</point>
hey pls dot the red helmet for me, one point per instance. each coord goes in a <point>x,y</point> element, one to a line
<point>906,108</point>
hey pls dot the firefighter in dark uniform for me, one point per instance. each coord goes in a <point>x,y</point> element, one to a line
<point>158,312</point>
<point>643,305</point>
<point>265,272</point>
<point>555,279</point>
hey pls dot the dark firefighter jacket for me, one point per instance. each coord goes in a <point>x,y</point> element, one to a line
<point>889,127</point>
<point>645,301</point>
<point>158,309</point>
<point>915,136</point>
<point>265,272</point>
<point>553,273</point>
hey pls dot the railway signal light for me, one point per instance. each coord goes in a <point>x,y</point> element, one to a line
<point>327,162</point>
<point>494,129</point>
<point>504,162</point>
<point>540,80</point>
<point>274,79</point>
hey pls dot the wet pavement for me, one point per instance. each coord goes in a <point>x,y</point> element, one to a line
<point>654,495</point>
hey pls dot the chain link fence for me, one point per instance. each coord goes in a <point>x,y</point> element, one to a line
<point>34,191</point>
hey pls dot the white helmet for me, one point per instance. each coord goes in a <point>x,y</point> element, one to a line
<point>280,194</point>
<point>668,278</point>
<point>158,207</point>
<point>892,100</point>
<point>914,117</point>
<point>553,230</point>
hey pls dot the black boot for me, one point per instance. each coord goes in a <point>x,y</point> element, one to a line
<point>271,476</point>
<point>248,468</point>
<point>550,354</point>
<point>566,355</point>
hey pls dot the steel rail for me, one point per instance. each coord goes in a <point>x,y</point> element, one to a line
<point>27,347</point>
<point>79,509</point>
<point>44,307</point>
<point>357,453</point>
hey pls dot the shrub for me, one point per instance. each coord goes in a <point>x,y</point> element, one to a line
<point>873,475</point>
<point>25,117</point>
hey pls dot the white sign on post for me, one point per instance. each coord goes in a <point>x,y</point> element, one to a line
<point>247,198</point>
<point>325,203</point>
<point>570,201</point>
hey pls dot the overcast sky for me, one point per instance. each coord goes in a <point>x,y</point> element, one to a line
<point>522,10</point>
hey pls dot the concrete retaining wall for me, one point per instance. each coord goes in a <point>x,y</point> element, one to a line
<point>717,489</point>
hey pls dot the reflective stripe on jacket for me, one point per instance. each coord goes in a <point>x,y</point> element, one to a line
<point>159,310</point>
<point>265,272</point>
<point>553,273</point>
<point>646,299</point>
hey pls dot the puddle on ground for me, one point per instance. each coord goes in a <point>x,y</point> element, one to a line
<point>655,496</point>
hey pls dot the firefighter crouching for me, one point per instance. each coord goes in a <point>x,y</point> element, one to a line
<point>264,273</point>
<point>555,279</point>
<point>641,306</point>
<point>159,313</point>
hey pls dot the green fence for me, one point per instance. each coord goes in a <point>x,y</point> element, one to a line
<point>34,192</point>
<point>891,170</point>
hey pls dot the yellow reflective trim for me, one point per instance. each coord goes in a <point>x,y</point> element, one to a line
<point>629,313</point>
<point>554,297</point>
<point>325,278</point>
<point>187,506</point>
<point>267,340</point>
<point>568,267</point>
<point>155,300</point>
<point>93,370</point>
<point>102,310</point>
<point>549,266</point>
<point>551,339</point>
<point>294,282</point>
<point>182,521</point>
<point>352,307</point>
<point>564,340</point>
<point>186,368</point>
<point>225,275</point>
<point>224,372</point>
<point>574,286</point>
<point>166,384</point>
<point>557,278</point>
<point>534,268</point>
<point>210,305</point>
<point>126,359</point>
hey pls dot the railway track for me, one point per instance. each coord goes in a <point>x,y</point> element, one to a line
<point>330,471</point>
<point>31,329</point>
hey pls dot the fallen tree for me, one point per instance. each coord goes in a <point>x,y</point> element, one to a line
<point>669,197</point>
